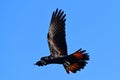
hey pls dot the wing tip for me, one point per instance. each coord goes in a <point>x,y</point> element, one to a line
<point>59,13</point>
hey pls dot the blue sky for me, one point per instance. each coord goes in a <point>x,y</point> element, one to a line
<point>93,25</point>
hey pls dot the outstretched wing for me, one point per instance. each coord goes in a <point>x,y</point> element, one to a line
<point>56,34</point>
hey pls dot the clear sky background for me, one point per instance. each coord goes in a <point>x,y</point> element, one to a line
<point>93,25</point>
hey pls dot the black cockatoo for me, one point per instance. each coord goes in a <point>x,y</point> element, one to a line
<point>58,48</point>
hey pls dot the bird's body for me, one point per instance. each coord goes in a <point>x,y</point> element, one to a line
<point>58,47</point>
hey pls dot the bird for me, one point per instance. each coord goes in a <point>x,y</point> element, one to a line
<point>56,39</point>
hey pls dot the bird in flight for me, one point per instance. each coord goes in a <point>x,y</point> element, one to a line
<point>58,47</point>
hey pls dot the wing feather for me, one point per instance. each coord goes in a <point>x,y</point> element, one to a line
<point>56,35</point>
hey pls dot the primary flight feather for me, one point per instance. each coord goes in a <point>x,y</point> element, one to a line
<point>58,47</point>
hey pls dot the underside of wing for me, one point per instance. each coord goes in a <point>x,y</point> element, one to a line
<point>56,34</point>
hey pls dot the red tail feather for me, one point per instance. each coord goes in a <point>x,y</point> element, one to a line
<point>76,61</point>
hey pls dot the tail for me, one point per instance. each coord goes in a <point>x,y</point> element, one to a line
<point>76,61</point>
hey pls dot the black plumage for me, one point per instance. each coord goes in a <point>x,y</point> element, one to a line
<point>58,47</point>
